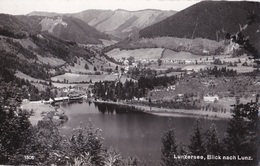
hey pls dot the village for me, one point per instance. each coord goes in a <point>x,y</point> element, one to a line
<point>201,92</point>
<point>203,82</point>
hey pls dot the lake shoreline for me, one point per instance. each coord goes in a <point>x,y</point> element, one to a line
<point>40,109</point>
<point>173,112</point>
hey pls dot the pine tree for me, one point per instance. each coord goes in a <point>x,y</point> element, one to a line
<point>182,150</point>
<point>197,145</point>
<point>213,145</point>
<point>243,133</point>
<point>86,66</point>
<point>95,69</point>
<point>169,147</point>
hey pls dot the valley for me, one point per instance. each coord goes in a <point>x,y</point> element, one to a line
<point>62,54</point>
<point>118,23</point>
<point>119,66</point>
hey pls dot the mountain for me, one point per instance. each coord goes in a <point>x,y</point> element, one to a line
<point>27,45</point>
<point>207,19</point>
<point>203,29</point>
<point>213,20</point>
<point>118,23</point>
<point>66,28</point>
<point>48,14</point>
<point>69,28</point>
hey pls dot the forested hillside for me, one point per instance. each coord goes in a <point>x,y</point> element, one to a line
<point>67,28</point>
<point>39,55</point>
<point>207,19</point>
<point>208,27</point>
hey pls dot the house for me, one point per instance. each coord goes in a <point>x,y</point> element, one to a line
<point>209,98</point>
<point>126,69</point>
<point>74,96</point>
<point>50,101</point>
<point>134,64</point>
<point>205,52</point>
<point>125,62</point>
<point>171,87</point>
<point>189,70</point>
<point>68,90</point>
<point>179,97</point>
<point>25,100</point>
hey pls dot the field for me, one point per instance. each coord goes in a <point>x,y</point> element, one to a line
<point>79,66</point>
<point>107,42</point>
<point>72,78</point>
<point>173,55</point>
<point>196,62</point>
<point>26,77</point>
<point>98,62</point>
<point>146,53</point>
<point>242,69</point>
<point>62,85</point>
<point>51,60</point>
<point>196,46</point>
<point>226,102</point>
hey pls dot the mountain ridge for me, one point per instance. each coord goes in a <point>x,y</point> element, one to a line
<point>119,23</point>
<point>64,27</point>
<point>43,13</point>
<point>214,20</point>
<point>208,27</point>
<point>204,19</point>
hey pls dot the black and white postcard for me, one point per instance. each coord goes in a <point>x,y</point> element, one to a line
<point>129,83</point>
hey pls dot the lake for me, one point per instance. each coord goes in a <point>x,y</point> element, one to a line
<point>132,132</point>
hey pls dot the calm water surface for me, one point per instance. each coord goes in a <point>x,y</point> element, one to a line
<point>132,132</point>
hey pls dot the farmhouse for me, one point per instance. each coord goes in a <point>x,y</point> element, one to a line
<point>189,70</point>
<point>126,62</point>
<point>171,87</point>
<point>209,98</point>
<point>179,97</point>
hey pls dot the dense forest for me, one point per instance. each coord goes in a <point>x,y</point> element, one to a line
<point>26,58</point>
<point>127,91</point>
<point>241,141</point>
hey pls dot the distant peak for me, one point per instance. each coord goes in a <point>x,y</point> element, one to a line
<point>42,13</point>
<point>142,10</point>
<point>122,10</point>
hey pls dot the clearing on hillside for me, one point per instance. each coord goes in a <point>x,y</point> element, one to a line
<point>144,53</point>
<point>78,78</point>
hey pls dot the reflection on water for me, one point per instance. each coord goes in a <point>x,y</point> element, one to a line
<point>117,109</point>
<point>131,131</point>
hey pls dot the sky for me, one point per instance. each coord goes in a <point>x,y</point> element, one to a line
<point>22,7</point>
